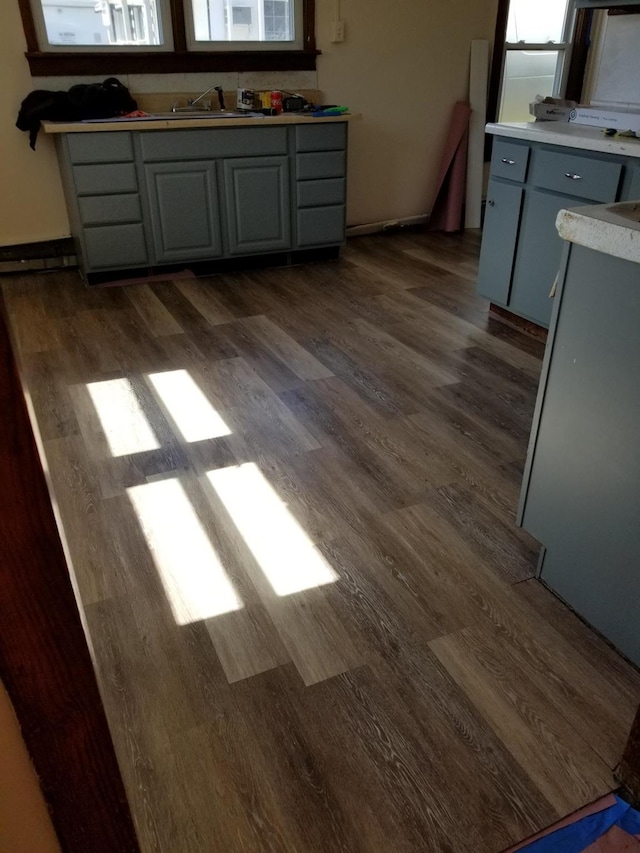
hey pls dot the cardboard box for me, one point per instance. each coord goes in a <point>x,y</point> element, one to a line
<point>598,117</point>
<point>551,109</point>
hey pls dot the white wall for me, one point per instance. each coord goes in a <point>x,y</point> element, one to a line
<point>402,66</point>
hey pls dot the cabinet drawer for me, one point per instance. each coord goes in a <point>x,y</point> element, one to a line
<point>318,137</point>
<point>322,164</point>
<point>509,160</point>
<point>316,193</point>
<point>115,246</point>
<point>105,179</point>
<point>207,144</point>
<point>107,209</point>
<point>583,177</point>
<point>100,147</point>
<point>321,225</point>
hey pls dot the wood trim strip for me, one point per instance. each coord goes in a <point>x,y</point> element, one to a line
<point>44,659</point>
<point>629,769</point>
<point>28,25</point>
<point>579,54</point>
<point>179,26</point>
<point>64,64</point>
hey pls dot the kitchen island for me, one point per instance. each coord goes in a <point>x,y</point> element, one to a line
<point>145,195</point>
<point>537,169</point>
<point>581,490</point>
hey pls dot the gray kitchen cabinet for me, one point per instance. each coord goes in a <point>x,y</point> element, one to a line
<point>530,183</point>
<point>185,212</point>
<point>144,198</point>
<point>257,204</point>
<point>499,240</point>
<point>581,494</point>
<point>539,254</point>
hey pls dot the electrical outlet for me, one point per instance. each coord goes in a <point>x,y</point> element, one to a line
<point>337,31</point>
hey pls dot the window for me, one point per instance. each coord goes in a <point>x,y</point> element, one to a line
<point>156,36</point>
<point>229,24</point>
<point>537,53</point>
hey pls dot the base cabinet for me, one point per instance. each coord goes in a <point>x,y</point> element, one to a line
<point>145,198</point>
<point>185,212</point>
<point>499,241</point>
<point>530,183</point>
<point>581,489</point>
<point>258,204</point>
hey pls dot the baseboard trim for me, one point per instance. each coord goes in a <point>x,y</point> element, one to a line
<point>43,255</point>
<point>386,225</point>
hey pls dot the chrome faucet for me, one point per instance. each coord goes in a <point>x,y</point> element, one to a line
<point>192,102</point>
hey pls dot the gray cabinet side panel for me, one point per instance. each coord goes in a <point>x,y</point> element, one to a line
<point>583,500</point>
<point>499,239</point>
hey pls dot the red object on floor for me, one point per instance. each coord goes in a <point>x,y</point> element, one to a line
<point>446,213</point>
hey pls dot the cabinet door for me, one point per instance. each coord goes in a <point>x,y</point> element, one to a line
<point>539,253</point>
<point>499,237</point>
<point>258,204</point>
<point>185,213</point>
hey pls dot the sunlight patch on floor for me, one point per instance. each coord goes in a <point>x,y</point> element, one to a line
<point>125,425</point>
<point>283,550</point>
<point>192,575</point>
<point>192,413</point>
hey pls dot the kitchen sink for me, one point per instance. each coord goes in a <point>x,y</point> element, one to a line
<point>626,209</point>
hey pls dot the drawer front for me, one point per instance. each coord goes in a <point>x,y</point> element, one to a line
<point>106,147</point>
<point>318,137</point>
<point>316,193</point>
<point>322,164</point>
<point>583,177</point>
<point>115,246</point>
<point>107,209</point>
<point>321,225</point>
<point>208,144</point>
<point>105,179</point>
<point>509,160</point>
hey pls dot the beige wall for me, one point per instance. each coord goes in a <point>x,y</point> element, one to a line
<point>31,203</point>
<point>402,66</point>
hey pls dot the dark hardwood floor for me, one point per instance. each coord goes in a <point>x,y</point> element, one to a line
<point>288,497</point>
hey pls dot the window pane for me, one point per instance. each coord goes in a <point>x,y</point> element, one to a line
<point>101,23</point>
<point>536,21</point>
<point>243,20</point>
<point>527,73</point>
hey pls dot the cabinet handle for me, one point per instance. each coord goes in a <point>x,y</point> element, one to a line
<point>508,162</point>
<point>573,176</point>
<point>491,202</point>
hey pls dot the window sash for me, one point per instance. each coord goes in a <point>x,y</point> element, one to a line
<point>164,23</point>
<point>228,46</point>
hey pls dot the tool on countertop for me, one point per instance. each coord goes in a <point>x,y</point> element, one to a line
<point>329,110</point>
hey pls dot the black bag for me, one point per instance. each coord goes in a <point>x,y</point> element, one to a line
<point>83,101</point>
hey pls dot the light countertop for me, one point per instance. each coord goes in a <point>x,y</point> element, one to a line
<point>180,123</point>
<point>568,135</point>
<point>601,227</point>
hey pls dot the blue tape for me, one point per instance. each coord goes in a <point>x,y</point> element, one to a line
<point>578,836</point>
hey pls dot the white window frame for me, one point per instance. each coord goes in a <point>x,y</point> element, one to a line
<point>164,24</point>
<point>564,49</point>
<point>297,43</point>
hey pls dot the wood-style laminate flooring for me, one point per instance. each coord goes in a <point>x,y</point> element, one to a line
<point>288,499</point>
